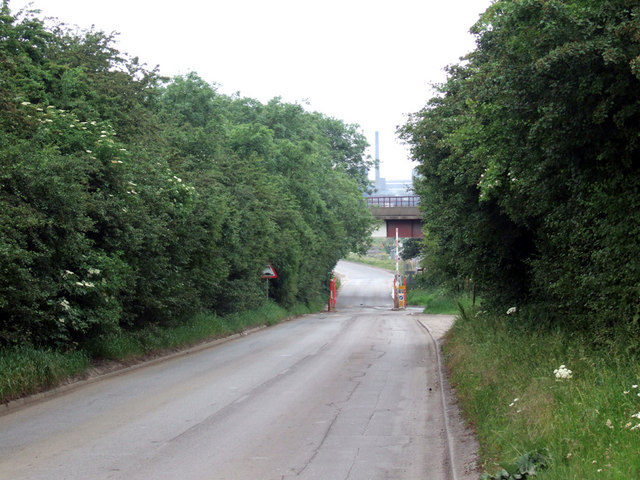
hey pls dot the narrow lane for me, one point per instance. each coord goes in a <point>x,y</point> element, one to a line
<point>352,394</point>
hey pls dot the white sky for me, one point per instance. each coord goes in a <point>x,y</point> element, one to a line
<point>369,62</point>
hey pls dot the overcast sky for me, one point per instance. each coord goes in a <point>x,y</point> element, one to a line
<point>368,62</point>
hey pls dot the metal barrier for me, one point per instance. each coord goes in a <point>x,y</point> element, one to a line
<point>405,201</point>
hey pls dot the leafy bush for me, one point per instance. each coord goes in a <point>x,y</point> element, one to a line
<point>529,179</point>
<point>131,202</point>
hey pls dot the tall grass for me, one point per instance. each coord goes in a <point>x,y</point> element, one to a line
<point>24,371</point>
<point>505,381</point>
<point>436,300</point>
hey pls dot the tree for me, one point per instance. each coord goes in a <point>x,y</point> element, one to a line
<point>528,156</point>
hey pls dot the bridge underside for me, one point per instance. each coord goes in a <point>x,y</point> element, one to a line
<point>406,228</point>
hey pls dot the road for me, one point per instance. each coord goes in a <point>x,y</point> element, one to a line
<point>351,394</point>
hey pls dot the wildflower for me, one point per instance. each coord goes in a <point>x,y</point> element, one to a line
<point>65,304</point>
<point>93,123</point>
<point>71,126</point>
<point>61,320</point>
<point>68,272</point>
<point>50,106</point>
<point>634,386</point>
<point>25,103</point>
<point>635,427</point>
<point>39,109</point>
<point>511,310</point>
<point>609,424</point>
<point>626,392</point>
<point>123,149</point>
<point>85,284</point>
<point>514,402</point>
<point>636,415</point>
<point>94,271</point>
<point>102,136</point>
<point>563,372</point>
<point>88,151</point>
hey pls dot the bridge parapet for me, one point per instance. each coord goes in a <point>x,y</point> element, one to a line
<point>391,202</point>
<point>395,208</point>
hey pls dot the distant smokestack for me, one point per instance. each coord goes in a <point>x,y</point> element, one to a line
<point>377,159</point>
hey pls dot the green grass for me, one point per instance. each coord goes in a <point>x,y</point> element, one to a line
<point>438,301</point>
<point>385,263</point>
<point>584,422</point>
<point>24,371</point>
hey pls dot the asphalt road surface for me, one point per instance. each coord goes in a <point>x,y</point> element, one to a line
<point>351,394</point>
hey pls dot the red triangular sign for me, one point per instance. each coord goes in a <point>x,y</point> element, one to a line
<point>269,272</point>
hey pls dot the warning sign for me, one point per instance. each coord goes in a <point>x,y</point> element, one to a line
<point>269,272</point>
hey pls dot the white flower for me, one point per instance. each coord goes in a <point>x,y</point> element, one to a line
<point>512,310</point>
<point>88,151</point>
<point>563,372</point>
<point>636,415</point>
<point>65,304</point>
<point>94,271</point>
<point>25,103</point>
<point>85,284</point>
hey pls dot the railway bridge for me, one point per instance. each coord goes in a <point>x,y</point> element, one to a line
<point>401,212</point>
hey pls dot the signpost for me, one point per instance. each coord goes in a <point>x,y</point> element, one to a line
<point>267,273</point>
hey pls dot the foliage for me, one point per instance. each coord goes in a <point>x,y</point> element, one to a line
<point>131,202</point>
<point>411,248</point>
<point>504,375</point>
<point>527,161</point>
<point>438,300</point>
<point>526,466</point>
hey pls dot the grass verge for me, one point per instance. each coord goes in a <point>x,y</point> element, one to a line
<point>588,425</point>
<point>385,263</point>
<point>438,301</point>
<point>25,370</point>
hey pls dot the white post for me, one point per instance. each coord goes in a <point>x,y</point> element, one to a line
<point>395,279</point>
<point>397,253</point>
